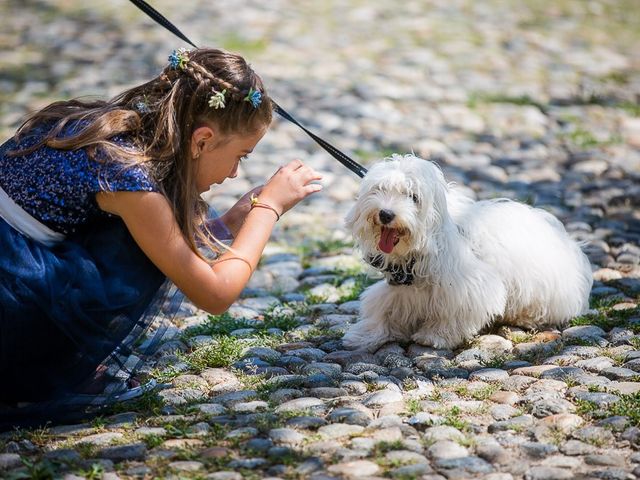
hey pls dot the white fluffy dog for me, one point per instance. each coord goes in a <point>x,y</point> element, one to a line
<point>454,265</point>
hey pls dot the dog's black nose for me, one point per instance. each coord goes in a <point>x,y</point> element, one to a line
<point>386,216</point>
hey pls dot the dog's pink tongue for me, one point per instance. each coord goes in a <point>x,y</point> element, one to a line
<point>388,239</point>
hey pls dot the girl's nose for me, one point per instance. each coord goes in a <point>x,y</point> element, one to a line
<point>234,172</point>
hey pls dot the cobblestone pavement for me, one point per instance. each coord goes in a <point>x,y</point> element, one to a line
<point>536,101</point>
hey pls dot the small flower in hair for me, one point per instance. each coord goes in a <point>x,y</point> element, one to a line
<point>179,58</point>
<point>142,107</point>
<point>216,100</point>
<point>254,96</point>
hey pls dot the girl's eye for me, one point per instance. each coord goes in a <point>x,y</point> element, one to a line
<point>243,158</point>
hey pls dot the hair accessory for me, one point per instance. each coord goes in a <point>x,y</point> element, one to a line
<point>141,106</point>
<point>217,100</point>
<point>254,97</point>
<point>179,58</point>
<point>255,203</point>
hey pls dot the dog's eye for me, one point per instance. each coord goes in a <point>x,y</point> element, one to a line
<point>415,198</point>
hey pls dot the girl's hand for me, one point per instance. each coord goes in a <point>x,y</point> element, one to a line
<point>234,217</point>
<point>289,185</point>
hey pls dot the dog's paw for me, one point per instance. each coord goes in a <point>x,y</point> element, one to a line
<point>358,339</point>
<point>435,341</point>
<point>351,342</point>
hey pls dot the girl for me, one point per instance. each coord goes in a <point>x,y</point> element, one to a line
<point>100,203</point>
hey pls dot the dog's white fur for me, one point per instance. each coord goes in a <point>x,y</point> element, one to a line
<point>475,262</point>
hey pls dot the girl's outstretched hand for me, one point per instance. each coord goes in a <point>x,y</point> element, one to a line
<point>289,185</point>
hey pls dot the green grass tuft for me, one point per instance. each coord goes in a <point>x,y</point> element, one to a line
<point>627,406</point>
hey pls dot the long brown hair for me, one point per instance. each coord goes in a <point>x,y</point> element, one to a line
<point>161,116</point>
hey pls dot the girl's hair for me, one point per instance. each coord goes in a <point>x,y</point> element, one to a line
<point>160,117</point>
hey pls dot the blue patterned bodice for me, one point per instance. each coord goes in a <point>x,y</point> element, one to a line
<point>58,187</point>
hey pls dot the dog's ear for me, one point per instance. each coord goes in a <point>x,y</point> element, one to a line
<point>351,217</point>
<point>433,191</point>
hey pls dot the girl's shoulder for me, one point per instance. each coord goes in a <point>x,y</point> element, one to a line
<point>104,166</point>
<point>118,167</point>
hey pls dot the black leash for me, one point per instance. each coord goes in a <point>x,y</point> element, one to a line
<point>345,160</point>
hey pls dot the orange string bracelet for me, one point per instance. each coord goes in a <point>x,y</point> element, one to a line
<point>255,202</point>
<point>236,258</point>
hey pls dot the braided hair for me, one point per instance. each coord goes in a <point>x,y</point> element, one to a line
<point>159,117</point>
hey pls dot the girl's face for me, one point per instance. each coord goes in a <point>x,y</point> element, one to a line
<point>220,157</point>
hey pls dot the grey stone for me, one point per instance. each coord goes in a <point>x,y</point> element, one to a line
<point>354,387</point>
<point>302,404</point>
<point>360,367</point>
<point>425,418</point>
<point>186,466</point>
<point>595,364</point>
<point>263,353</point>
<point>231,398</point>
<point>515,423</point>
<point>583,332</point>
<point>351,416</point>
<point>329,369</point>
<point>443,432</point>
<point>601,399</point>
<point>306,422</point>
<point>503,412</point>
<point>594,435</point>
<point>605,459</point>
<point>382,397</point>
<point>309,465</point>
<point>327,392</point>
<point>258,445</point>
<point>473,465</point>
<point>308,354</point>
<point>135,451</point>
<point>356,468</point>
<point>576,447</point>
<point>225,475</point>
<point>339,430</point>
<point>548,473</point>
<point>619,373</point>
<point>248,463</point>
<point>286,436</point>
<point>616,423</point>
<point>443,449</point>
<point>66,455</point>
<point>538,450</point>
<point>101,439</point>
<point>417,470</point>
<point>212,409</point>
<point>249,407</point>
<point>550,406</point>
<point>493,452</point>
<point>9,460</point>
<point>244,432</point>
<point>489,375</point>
<point>405,457</point>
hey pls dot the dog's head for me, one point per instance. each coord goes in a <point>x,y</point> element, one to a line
<point>401,203</point>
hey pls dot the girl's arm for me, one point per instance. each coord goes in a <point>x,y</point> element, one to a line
<point>150,220</point>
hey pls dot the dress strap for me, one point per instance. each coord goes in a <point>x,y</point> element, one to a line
<point>19,219</point>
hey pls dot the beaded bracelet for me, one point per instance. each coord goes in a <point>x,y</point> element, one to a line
<point>256,203</point>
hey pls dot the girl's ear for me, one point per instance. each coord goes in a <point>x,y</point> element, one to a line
<point>201,139</point>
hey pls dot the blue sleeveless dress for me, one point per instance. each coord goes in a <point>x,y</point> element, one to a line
<point>72,312</point>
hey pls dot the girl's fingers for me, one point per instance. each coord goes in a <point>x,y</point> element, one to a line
<point>312,188</point>
<point>296,164</point>
<point>308,174</point>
